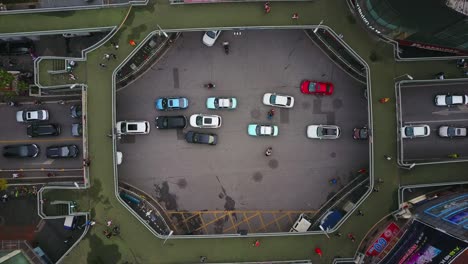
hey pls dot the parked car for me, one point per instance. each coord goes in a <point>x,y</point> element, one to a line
<point>133,127</point>
<point>262,130</point>
<point>450,99</point>
<point>77,34</point>
<point>201,138</point>
<point>171,103</point>
<point>63,151</point>
<point>221,103</point>
<point>361,133</point>
<point>210,37</point>
<point>451,131</point>
<point>205,121</point>
<point>21,151</point>
<point>32,115</point>
<point>43,130</point>
<point>278,100</point>
<point>77,130</point>
<point>171,122</point>
<point>415,131</point>
<point>314,87</point>
<point>323,131</point>
<point>75,111</point>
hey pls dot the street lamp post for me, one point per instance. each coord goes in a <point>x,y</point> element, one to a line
<point>325,232</point>
<point>170,234</point>
<point>161,30</point>
<point>317,27</point>
<point>404,75</point>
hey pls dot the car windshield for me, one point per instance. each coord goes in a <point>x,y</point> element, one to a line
<point>449,100</point>
<point>363,133</point>
<point>273,99</point>
<point>451,131</point>
<point>312,87</point>
<point>216,102</point>
<point>211,34</point>
<point>199,121</point>
<point>123,127</point>
<point>23,151</point>
<point>164,102</point>
<point>64,151</point>
<point>328,87</point>
<point>409,131</point>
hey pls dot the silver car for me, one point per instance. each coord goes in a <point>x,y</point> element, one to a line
<point>32,115</point>
<point>415,131</point>
<point>450,131</point>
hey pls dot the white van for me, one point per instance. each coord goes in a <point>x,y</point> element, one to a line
<point>301,225</point>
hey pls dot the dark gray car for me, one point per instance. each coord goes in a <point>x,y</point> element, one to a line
<point>64,151</point>
<point>201,138</point>
<point>171,122</point>
<point>21,151</point>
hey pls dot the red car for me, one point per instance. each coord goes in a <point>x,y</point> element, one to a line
<point>313,87</point>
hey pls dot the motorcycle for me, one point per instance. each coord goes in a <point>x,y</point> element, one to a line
<point>226,47</point>
<point>209,85</point>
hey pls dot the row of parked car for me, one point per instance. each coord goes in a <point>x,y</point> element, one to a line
<point>445,131</point>
<point>33,150</point>
<point>39,128</point>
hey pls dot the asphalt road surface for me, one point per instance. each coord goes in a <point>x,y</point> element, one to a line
<point>13,133</point>
<point>418,107</point>
<point>236,174</point>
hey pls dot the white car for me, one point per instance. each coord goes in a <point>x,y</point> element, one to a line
<point>210,37</point>
<point>414,131</point>
<point>450,131</point>
<point>32,115</point>
<point>133,127</point>
<point>205,121</point>
<point>262,130</point>
<point>450,99</point>
<point>278,100</point>
<point>323,131</point>
<point>221,103</point>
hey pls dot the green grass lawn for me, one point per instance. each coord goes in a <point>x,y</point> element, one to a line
<point>138,245</point>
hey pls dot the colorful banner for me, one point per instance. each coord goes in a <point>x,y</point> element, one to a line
<point>423,244</point>
<point>382,242</point>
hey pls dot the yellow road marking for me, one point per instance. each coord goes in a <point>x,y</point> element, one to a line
<point>28,141</point>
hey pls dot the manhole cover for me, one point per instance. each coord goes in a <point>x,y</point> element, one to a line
<point>257,177</point>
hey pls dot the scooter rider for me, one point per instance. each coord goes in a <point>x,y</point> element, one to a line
<point>226,47</point>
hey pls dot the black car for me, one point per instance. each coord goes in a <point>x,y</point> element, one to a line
<point>168,122</point>
<point>75,111</point>
<point>64,151</point>
<point>21,151</point>
<point>40,130</point>
<point>361,133</point>
<point>201,138</point>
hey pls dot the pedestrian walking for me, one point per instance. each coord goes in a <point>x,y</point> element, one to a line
<point>115,45</point>
<point>376,189</point>
<point>360,213</point>
<point>102,65</point>
<point>295,16</point>
<point>380,180</point>
<point>16,175</point>
<point>5,198</point>
<point>132,42</point>
<point>203,259</point>
<point>387,157</point>
<point>267,7</point>
<point>86,162</point>
<point>269,151</point>
<point>384,100</point>
<point>256,243</point>
<point>362,170</point>
<point>338,234</point>
<point>113,56</point>
<point>72,76</point>
<point>340,36</point>
<point>109,222</point>
<point>106,56</point>
<point>351,236</point>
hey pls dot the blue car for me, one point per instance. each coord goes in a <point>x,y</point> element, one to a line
<point>171,103</point>
<point>262,130</point>
<point>221,103</point>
